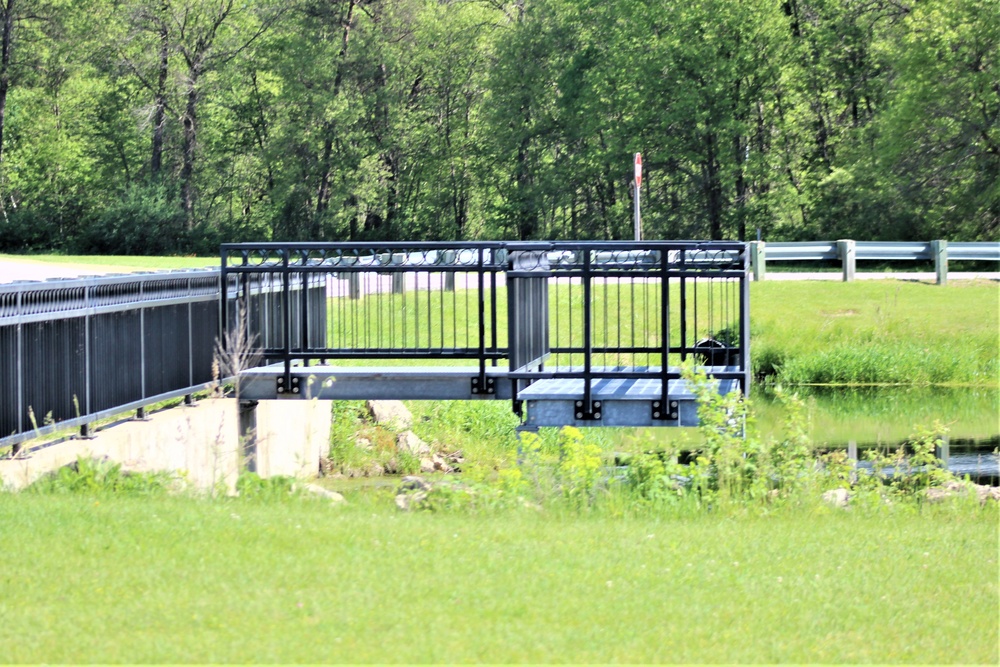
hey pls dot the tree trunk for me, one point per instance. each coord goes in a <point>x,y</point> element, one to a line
<point>326,168</point>
<point>189,147</point>
<point>160,103</point>
<point>739,148</point>
<point>6,46</point>
<point>712,187</point>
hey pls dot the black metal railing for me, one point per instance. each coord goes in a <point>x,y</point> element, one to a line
<point>388,301</point>
<point>587,310</point>
<point>73,351</point>
<point>633,311</point>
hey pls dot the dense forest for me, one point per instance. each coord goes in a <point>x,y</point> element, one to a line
<point>158,126</point>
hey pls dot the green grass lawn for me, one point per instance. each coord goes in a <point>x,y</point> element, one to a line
<point>884,332</point>
<point>100,579</point>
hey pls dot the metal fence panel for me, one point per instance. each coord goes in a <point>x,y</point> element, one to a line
<point>115,358</point>
<point>74,350</point>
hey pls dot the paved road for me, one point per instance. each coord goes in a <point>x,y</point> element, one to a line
<point>26,269</point>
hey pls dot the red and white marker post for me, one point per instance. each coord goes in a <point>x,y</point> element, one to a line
<point>638,186</point>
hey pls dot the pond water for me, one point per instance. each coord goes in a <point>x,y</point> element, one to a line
<point>885,417</point>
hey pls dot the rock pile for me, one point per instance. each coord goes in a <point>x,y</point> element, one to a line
<point>386,439</point>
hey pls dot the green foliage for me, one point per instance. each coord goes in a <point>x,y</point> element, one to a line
<point>437,120</point>
<point>102,478</point>
<point>28,230</point>
<point>252,486</point>
<point>146,221</point>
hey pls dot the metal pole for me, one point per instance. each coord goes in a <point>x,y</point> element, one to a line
<point>638,218</point>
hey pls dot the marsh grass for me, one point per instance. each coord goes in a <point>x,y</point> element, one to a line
<point>885,332</point>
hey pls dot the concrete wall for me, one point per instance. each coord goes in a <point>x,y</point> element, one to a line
<point>201,442</point>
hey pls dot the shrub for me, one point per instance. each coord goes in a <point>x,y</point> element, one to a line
<point>27,230</point>
<point>146,221</point>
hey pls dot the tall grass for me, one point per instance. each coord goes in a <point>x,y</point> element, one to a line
<point>876,332</point>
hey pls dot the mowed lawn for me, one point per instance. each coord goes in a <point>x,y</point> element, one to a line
<point>186,580</point>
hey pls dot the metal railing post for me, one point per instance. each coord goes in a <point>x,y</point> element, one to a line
<point>588,343</point>
<point>939,250</point>
<point>848,254</point>
<point>744,339</point>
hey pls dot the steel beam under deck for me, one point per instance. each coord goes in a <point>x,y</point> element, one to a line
<point>401,383</point>
<point>550,402</point>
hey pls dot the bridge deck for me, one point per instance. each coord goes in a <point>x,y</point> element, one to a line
<point>549,401</point>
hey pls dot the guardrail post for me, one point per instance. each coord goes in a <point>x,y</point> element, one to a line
<point>939,250</point>
<point>398,277</point>
<point>848,255</point>
<point>758,260</point>
<point>449,277</point>
<point>353,285</point>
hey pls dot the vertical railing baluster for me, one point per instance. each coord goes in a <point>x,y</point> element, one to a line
<point>588,343</point>
<point>684,312</point>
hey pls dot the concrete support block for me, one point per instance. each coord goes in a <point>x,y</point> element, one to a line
<point>847,252</point>
<point>758,263</point>
<point>248,434</point>
<point>939,250</point>
<point>208,443</point>
<point>200,442</point>
<point>292,437</point>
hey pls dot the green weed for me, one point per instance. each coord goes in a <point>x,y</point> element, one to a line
<point>99,477</point>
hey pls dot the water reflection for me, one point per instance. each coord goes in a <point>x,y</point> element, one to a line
<point>885,417</point>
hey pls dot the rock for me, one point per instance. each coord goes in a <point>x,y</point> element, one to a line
<point>984,493</point>
<point>987,493</point>
<point>324,493</point>
<point>373,469</point>
<point>426,465</point>
<point>936,494</point>
<point>407,441</point>
<point>413,483</point>
<point>391,414</point>
<point>409,501</point>
<point>438,463</point>
<point>413,491</point>
<point>363,443</point>
<point>837,497</point>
